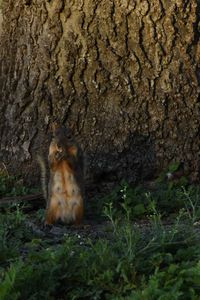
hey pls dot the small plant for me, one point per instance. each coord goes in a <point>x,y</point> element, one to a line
<point>191,205</point>
<point>109,212</point>
<point>13,231</point>
<point>169,172</point>
<point>12,186</point>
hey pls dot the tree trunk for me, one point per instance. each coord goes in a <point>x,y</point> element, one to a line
<point>124,72</point>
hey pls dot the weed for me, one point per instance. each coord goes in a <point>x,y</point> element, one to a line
<point>13,186</point>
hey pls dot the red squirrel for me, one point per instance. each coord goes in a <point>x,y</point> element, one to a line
<point>64,193</point>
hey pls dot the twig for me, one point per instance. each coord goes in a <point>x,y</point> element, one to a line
<point>35,200</point>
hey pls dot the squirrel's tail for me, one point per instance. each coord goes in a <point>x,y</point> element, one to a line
<point>44,176</point>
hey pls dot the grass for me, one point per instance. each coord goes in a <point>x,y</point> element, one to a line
<point>13,186</point>
<point>159,261</point>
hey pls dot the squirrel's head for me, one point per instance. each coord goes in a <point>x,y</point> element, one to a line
<point>61,134</point>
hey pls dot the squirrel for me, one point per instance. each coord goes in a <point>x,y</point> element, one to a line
<point>65,188</point>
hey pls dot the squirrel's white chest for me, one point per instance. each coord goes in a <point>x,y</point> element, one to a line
<point>65,183</point>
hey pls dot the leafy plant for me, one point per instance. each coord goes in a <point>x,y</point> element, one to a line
<point>12,186</point>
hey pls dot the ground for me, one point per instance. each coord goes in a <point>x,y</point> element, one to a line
<point>137,242</point>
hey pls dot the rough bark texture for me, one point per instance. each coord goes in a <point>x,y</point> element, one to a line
<point>1,19</point>
<point>124,72</point>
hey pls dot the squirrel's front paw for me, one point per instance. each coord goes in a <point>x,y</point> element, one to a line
<point>59,155</point>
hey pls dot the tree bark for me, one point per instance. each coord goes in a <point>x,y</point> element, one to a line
<point>124,72</point>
